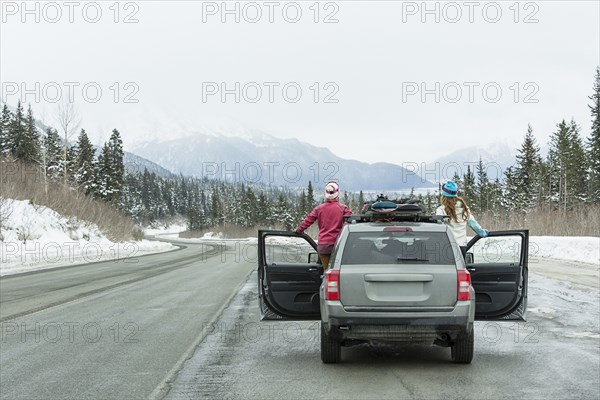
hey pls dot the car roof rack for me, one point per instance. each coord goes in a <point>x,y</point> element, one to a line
<point>361,218</point>
<point>384,210</point>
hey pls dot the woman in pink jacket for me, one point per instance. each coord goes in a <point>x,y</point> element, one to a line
<point>330,217</point>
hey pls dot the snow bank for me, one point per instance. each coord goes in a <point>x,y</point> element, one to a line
<point>583,249</point>
<point>37,237</point>
<point>172,232</point>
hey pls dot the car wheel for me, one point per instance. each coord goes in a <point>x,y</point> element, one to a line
<point>331,349</point>
<point>463,348</point>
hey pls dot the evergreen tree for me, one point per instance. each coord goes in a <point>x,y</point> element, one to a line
<point>566,166</point>
<point>557,163</point>
<point>302,207</point>
<point>310,198</point>
<point>216,208</point>
<point>5,137</point>
<point>196,219</point>
<point>468,187</point>
<point>577,173</point>
<point>263,208</point>
<point>282,215</point>
<point>16,132</point>
<point>116,165</point>
<point>27,141</point>
<point>102,187</point>
<point>593,144</point>
<point>248,209</point>
<point>52,154</point>
<point>528,171</point>
<point>510,190</point>
<point>84,163</point>
<point>483,189</point>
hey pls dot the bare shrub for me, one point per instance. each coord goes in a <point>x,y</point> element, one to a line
<point>580,221</point>
<point>25,182</point>
<point>6,210</point>
<point>230,231</point>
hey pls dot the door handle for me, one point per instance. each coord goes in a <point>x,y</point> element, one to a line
<point>471,269</point>
<point>313,269</point>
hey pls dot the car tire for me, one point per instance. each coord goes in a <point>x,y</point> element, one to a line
<point>463,348</point>
<point>331,349</point>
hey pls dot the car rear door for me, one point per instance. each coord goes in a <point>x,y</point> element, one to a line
<point>398,269</point>
<point>498,267</point>
<point>289,276</point>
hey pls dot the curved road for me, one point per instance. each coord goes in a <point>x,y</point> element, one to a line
<point>111,330</point>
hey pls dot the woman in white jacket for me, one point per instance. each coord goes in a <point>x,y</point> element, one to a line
<point>456,208</point>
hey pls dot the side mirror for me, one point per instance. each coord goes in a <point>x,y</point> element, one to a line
<point>313,258</point>
<point>469,259</point>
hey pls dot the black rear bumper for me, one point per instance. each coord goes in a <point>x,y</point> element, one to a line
<point>407,329</point>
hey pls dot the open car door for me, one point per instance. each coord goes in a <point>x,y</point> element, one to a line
<point>289,276</point>
<point>498,267</point>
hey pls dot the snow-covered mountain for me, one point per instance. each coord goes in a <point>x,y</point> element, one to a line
<point>496,159</point>
<point>134,163</point>
<point>254,157</point>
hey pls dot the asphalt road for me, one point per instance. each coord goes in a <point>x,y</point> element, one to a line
<point>111,330</point>
<point>185,325</point>
<point>554,355</point>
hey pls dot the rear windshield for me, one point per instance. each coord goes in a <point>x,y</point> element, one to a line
<point>398,248</point>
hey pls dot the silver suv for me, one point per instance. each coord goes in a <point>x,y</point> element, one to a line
<point>405,280</point>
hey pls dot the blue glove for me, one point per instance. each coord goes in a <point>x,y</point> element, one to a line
<point>477,228</point>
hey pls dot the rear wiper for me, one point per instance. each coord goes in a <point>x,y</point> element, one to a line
<point>411,259</point>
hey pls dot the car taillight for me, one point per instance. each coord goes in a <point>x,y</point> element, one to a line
<point>332,284</point>
<point>464,285</point>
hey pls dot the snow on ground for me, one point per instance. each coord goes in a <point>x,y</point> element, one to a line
<point>584,249</point>
<point>171,232</point>
<point>37,237</point>
<point>571,248</point>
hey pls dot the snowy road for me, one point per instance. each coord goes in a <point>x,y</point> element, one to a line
<point>112,330</point>
<point>555,355</point>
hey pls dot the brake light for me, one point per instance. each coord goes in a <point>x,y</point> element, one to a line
<point>332,284</point>
<point>464,285</point>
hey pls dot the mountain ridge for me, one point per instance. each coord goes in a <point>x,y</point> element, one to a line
<point>259,157</point>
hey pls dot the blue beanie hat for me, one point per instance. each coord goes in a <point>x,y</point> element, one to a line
<point>449,189</point>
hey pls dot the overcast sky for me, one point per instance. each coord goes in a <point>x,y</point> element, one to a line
<point>361,75</point>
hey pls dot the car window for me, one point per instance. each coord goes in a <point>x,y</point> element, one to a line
<point>497,250</point>
<point>398,248</point>
<point>287,250</point>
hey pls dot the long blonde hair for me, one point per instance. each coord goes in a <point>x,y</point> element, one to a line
<point>449,204</point>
